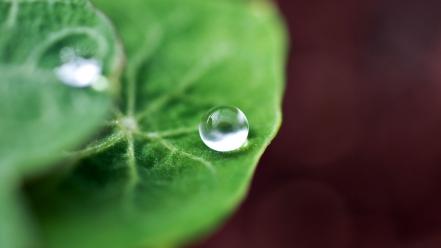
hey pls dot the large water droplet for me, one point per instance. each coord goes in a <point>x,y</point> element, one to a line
<point>224,129</point>
<point>80,72</point>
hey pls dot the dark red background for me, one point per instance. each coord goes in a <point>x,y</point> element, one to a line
<point>358,160</point>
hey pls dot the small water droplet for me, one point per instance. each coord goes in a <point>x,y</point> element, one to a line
<point>224,129</point>
<point>80,72</point>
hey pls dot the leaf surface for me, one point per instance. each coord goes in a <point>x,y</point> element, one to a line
<point>151,181</point>
<point>41,118</point>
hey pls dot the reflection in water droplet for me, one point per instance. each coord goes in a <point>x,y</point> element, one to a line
<point>224,129</point>
<point>67,54</point>
<point>80,72</point>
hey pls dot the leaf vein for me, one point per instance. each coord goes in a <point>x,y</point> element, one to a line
<point>151,45</point>
<point>131,165</point>
<point>98,146</point>
<point>191,78</point>
<point>170,133</point>
<point>172,148</point>
<point>13,13</point>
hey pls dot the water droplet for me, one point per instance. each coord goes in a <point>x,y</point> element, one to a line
<point>80,72</point>
<point>224,129</point>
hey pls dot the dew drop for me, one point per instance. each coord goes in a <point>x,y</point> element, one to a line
<point>81,72</point>
<point>224,129</point>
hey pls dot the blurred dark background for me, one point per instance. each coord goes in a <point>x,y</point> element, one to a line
<point>358,160</point>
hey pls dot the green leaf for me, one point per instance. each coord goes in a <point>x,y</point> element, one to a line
<point>15,229</point>
<point>41,118</point>
<point>152,182</point>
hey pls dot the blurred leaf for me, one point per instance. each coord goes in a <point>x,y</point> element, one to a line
<point>15,228</point>
<point>152,182</point>
<point>40,117</point>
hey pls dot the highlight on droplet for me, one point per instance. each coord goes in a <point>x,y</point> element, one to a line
<point>79,72</point>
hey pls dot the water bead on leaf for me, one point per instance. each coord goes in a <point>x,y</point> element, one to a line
<point>224,129</point>
<point>81,72</point>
